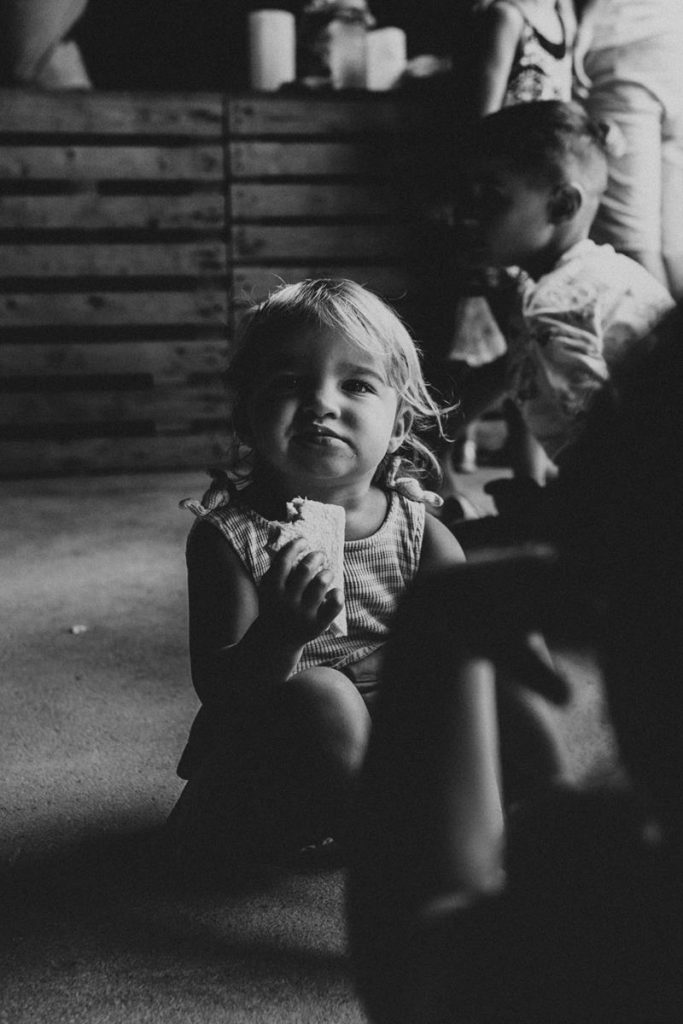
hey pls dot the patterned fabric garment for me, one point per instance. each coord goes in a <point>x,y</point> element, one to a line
<point>377,570</point>
<point>541,70</point>
<point>570,328</point>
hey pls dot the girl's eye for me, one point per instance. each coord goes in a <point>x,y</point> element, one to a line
<point>359,387</point>
<point>285,383</point>
<point>485,196</point>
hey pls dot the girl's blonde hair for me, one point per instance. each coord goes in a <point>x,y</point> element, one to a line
<point>367,321</point>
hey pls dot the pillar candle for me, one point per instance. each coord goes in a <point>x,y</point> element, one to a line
<point>272,49</point>
<point>386,60</point>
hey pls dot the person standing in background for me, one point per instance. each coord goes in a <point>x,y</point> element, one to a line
<point>629,72</point>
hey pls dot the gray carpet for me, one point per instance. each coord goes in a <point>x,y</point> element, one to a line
<point>95,929</point>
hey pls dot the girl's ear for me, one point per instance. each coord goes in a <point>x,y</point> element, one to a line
<point>566,201</point>
<point>403,423</point>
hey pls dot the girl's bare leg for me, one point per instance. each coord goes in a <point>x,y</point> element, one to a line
<point>296,784</point>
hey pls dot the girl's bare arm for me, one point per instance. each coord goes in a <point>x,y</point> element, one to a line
<point>439,547</point>
<point>242,639</point>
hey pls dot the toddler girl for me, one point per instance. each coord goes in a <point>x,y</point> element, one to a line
<point>329,402</point>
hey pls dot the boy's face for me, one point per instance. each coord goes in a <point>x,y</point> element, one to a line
<point>509,218</point>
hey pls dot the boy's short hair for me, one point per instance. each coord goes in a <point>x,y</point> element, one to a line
<point>547,140</point>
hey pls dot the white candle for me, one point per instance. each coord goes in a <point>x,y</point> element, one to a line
<point>272,49</point>
<point>386,60</point>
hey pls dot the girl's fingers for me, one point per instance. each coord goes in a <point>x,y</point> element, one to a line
<point>307,570</point>
<point>304,585</point>
<point>285,561</point>
<point>332,605</point>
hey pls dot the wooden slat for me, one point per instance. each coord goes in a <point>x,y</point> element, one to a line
<point>250,201</point>
<point>258,159</point>
<point>163,360</point>
<point>116,113</point>
<point>21,309</point>
<point>78,172</point>
<point>88,211</point>
<point>171,408</point>
<point>76,162</point>
<point>92,259</point>
<point>109,454</point>
<point>327,242</point>
<point>282,115</point>
<point>252,283</point>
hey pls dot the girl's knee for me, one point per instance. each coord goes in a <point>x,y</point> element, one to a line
<point>321,687</point>
<point>324,704</point>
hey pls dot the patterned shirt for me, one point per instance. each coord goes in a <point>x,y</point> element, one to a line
<point>541,70</point>
<point>570,329</point>
<point>377,570</point>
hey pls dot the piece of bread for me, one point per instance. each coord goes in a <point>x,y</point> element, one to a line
<point>322,527</point>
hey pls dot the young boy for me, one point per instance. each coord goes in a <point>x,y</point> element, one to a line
<point>538,171</point>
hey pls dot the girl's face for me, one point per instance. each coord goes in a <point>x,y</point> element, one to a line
<point>511,222</point>
<point>323,414</point>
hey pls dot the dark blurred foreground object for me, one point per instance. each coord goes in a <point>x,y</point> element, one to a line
<point>569,908</point>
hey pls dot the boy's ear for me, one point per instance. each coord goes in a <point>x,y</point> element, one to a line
<point>403,423</point>
<point>566,201</point>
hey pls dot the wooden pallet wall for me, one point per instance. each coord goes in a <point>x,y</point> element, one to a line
<point>134,231</point>
<point>313,193</point>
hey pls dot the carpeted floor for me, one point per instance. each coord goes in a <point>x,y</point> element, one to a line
<point>96,703</point>
<point>94,929</point>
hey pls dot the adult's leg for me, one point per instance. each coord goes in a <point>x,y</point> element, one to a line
<point>672,204</point>
<point>630,214</point>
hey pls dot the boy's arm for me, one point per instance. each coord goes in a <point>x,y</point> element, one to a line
<point>232,649</point>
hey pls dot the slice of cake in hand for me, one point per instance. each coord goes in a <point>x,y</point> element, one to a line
<point>322,527</point>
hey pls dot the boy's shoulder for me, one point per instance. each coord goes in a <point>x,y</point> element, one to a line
<point>601,262</point>
<point>590,272</point>
<point>597,291</point>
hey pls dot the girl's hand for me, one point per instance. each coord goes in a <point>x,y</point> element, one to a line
<point>296,599</point>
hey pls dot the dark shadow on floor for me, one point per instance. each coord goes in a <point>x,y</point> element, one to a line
<point>114,914</point>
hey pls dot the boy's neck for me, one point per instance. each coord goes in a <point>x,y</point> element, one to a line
<point>565,239</point>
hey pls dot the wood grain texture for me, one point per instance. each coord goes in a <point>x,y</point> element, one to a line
<point>136,229</point>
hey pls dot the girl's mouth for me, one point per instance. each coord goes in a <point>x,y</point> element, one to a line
<point>319,437</point>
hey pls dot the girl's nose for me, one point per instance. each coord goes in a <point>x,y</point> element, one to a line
<point>322,399</point>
